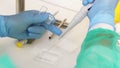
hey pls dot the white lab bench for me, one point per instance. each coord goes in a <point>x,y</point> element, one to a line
<point>26,57</point>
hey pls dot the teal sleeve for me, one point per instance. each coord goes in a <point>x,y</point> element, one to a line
<point>3,32</point>
<point>5,62</point>
<point>99,50</point>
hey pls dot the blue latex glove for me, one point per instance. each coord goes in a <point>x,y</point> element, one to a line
<point>27,25</point>
<point>102,11</point>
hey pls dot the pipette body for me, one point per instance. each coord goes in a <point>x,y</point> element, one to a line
<point>77,18</point>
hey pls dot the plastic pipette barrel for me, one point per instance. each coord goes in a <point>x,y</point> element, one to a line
<point>77,18</point>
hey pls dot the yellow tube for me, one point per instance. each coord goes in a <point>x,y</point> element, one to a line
<point>117,13</point>
<point>19,44</point>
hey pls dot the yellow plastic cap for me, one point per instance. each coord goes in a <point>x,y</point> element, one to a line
<point>19,44</point>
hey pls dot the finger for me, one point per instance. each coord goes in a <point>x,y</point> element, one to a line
<point>35,36</point>
<point>21,36</point>
<point>33,17</point>
<point>85,2</point>
<point>52,28</point>
<point>91,1</point>
<point>36,29</point>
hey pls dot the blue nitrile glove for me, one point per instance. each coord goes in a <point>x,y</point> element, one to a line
<point>102,11</point>
<point>27,25</point>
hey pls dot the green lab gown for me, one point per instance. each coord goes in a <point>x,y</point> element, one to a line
<point>99,50</point>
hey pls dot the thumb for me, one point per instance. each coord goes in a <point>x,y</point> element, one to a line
<point>39,18</point>
<point>33,16</point>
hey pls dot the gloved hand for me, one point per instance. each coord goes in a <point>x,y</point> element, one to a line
<point>102,11</point>
<point>27,25</point>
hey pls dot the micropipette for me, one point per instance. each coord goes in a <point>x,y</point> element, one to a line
<point>77,18</point>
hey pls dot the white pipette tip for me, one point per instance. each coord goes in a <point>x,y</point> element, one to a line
<point>64,33</point>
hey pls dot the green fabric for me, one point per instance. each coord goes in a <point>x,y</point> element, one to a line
<point>99,50</point>
<point>5,62</point>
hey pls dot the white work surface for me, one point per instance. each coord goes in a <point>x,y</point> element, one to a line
<point>68,50</point>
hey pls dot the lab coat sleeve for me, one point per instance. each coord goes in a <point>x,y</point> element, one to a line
<point>99,50</point>
<point>2,27</point>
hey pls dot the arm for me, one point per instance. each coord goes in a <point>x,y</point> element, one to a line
<point>99,47</point>
<point>27,25</point>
